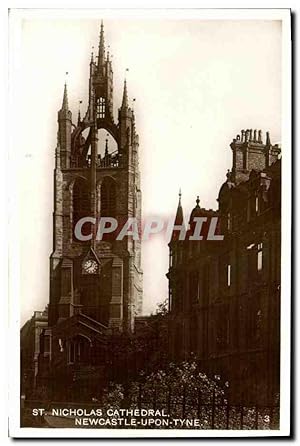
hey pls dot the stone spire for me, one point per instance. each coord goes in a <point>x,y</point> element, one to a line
<point>101,51</point>
<point>65,104</point>
<point>64,112</point>
<point>64,131</point>
<point>125,97</point>
<point>179,213</point>
<point>179,220</point>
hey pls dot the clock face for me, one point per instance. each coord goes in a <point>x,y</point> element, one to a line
<point>90,266</point>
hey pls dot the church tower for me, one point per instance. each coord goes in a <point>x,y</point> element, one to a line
<point>99,278</point>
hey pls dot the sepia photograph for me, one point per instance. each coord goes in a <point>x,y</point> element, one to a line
<point>150,230</point>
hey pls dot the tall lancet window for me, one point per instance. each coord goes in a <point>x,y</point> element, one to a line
<point>100,108</point>
<point>81,205</point>
<point>108,197</point>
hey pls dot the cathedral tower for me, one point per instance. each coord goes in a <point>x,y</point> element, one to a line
<point>101,279</point>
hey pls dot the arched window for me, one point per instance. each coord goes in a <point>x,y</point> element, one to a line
<point>81,204</point>
<point>108,198</point>
<point>100,108</point>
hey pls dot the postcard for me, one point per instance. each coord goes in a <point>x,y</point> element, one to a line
<point>150,223</point>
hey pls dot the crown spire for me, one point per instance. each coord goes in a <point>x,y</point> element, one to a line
<point>101,51</point>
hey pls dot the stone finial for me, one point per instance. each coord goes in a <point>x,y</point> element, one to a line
<point>243,136</point>
<point>268,140</point>
<point>250,135</point>
<point>255,136</point>
<point>79,115</point>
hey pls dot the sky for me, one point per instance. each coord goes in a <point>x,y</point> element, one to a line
<point>196,82</point>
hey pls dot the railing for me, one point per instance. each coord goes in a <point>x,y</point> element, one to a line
<point>213,412</point>
<point>109,160</point>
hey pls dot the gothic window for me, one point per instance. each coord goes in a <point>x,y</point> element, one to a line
<point>81,204</point>
<point>100,108</point>
<point>108,197</point>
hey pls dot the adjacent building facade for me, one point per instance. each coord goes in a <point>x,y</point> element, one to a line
<point>224,296</point>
